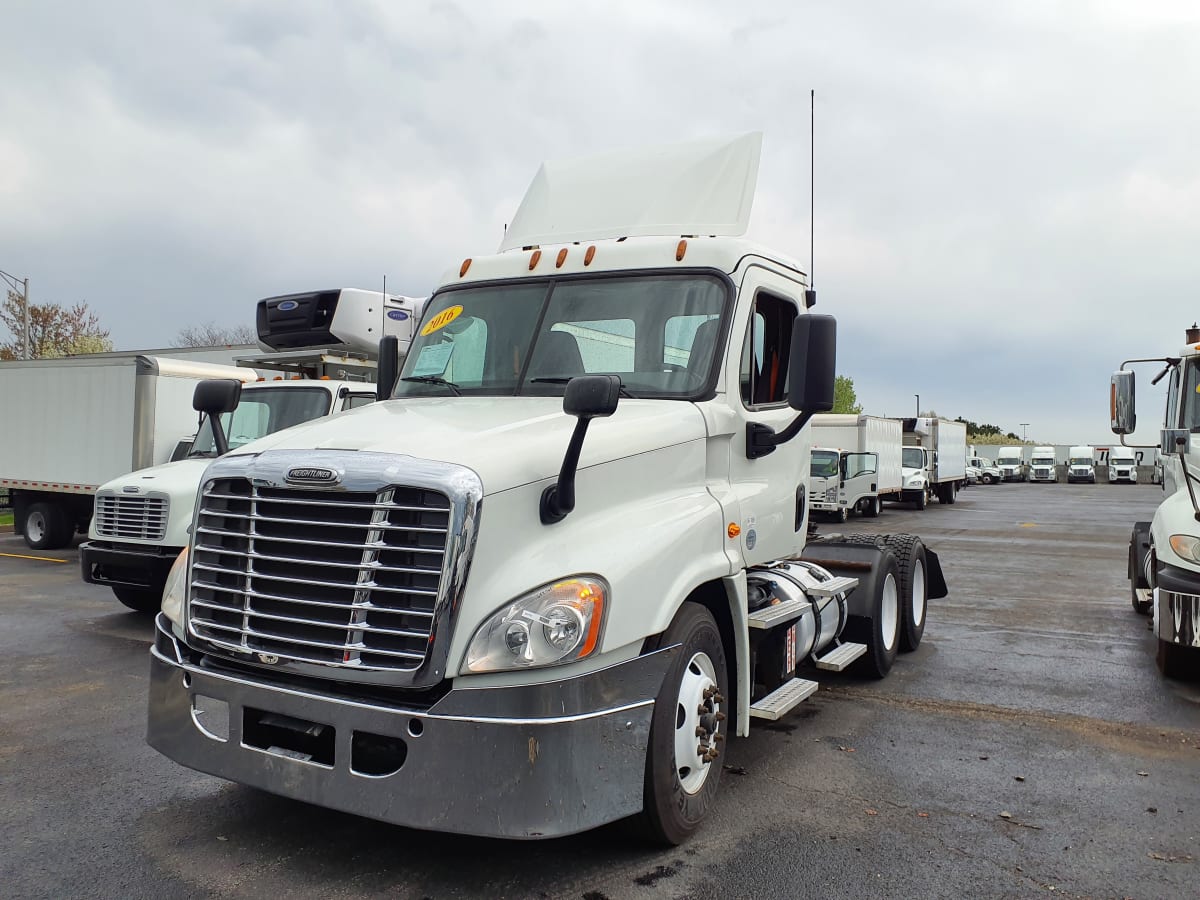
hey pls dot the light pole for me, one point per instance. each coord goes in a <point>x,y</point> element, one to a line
<point>1023,425</point>
<point>23,283</point>
<point>918,396</point>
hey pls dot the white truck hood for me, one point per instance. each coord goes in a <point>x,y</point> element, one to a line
<point>506,441</point>
<point>178,480</point>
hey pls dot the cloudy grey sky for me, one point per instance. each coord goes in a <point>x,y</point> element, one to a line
<point>1007,193</point>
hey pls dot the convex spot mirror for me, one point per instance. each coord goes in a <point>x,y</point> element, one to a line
<point>217,395</point>
<point>592,396</point>
<point>1120,403</point>
<point>812,365</point>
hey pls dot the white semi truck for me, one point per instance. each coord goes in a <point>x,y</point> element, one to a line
<point>72,424</point>
<point>324,345</point>
<point>1122,465</point>
<point>536,590</point>
<point>1011,463</point>
<point>1081,464</point>
<point>934,460</point>
<point>1164,554</point>
<point>855,464</point>
<point>1044,465</point>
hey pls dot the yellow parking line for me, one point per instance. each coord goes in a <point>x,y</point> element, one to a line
<point>39,558</point>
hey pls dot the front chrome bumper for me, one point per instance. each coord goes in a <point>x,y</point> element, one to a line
<point>526,761</point>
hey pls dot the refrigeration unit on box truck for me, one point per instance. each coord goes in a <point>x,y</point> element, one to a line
<point>72,424</point>
<point>855,463</point>
<point>934,460</point>
<point>325,347</point>
<point>536,589</point>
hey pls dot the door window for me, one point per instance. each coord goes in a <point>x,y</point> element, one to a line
<point>764,371</point>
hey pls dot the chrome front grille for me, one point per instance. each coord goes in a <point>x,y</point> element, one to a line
<point>131,517</point>
<point>344,578</point>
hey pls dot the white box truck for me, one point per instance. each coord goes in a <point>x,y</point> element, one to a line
<point>1081,464</point>
<point>325,345</point>
<point>1164,553</point>
<point>1043,465</point>
<point>537,589</point>
<point>72,424</point>
<point>855,464</point>
<point>934,460</point>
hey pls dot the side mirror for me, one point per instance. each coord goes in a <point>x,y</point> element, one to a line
<point>592,396</point>
<point>213,397</point>
<point>586,397</point>
<point>389,366</point>
<point>1122,415</point>
<point>812,365</point>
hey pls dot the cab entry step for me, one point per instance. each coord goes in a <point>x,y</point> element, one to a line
<point>841,656</point>
<point>783,699</point>
<point>833,586</point>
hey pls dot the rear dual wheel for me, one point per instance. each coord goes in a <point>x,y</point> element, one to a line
<point>914,587</point>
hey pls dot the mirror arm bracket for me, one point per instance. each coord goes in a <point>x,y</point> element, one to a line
<point>763,439</point>
<point>559,499</point>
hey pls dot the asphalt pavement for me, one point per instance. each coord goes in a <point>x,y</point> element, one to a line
<point>1028,748</point>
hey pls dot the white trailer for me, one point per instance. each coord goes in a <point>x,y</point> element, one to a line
<point>142,518</point>
<point>537,589</point>
<point>1081,464</point>
<point>72,424</point>
<point>934,460</point>
<point>856,463</point>
<point>1043,465</point>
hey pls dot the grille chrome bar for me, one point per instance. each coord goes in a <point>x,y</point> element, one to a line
<point>315,623</point>
<point>317,523</point>
<point>301,561</point>
<point>342,585</point>
<point>259,595</point>
<point>140,517</point>
<point>323,645</point>
<point>309,543</point>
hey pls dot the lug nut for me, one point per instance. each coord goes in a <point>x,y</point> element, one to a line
<point>701,731</point>
<point>718,738</point>
<point>720,717</point>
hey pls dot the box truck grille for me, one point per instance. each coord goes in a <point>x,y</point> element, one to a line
<point>340,578</point>
<point>130,517</point>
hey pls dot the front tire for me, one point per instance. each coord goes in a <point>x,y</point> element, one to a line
<point>681,782</point>
<point>923,500</point>
<point>874,508</point>
<point>139,600</point>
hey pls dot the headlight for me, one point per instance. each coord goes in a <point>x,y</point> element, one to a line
<point>556,624</point>
<point>1186,546</point>
<point>175,589</point>
<point>916,481</point>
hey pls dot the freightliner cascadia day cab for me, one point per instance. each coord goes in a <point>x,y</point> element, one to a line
<point>72,424</point>
<point>1081,464</point>
<point>323,346</point>
<point>1122,465</point>
<point>1164,554</point>
<point>855,464</point>
<point>535,590</point>
<point>1011,463</point>
<point>1043,466</point>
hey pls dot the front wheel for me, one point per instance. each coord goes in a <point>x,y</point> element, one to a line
<point>686,729</point>
<point>46,527</point>
<point>923,500</point>
<point>986,479</point>
<point>874,508</point>
<point>842,515</point>
<point>138,600</point>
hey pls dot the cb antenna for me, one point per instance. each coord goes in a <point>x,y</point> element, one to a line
<point>810,295</point>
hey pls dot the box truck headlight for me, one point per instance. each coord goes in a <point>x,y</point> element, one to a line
<point>175,588</point>
<point>1186,546</point>
<point>558,623</point>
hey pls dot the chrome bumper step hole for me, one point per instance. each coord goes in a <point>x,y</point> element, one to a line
<point>376,755</point>
<point>288,736</point>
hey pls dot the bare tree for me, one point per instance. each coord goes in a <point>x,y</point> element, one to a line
<point>212,335</point>
<point>54,330</point>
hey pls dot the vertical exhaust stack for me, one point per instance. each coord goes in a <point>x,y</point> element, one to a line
<point>1193,334</point>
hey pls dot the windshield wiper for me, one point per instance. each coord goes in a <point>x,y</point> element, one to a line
<point>624,391</point>
<point>434,379</point>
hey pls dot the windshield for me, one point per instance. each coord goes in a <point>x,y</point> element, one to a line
<point>263,411</point>
<point>1043,460</point>
<point>1008,461</point>
<point>824,464</point>
<point>912,458</point>
<point>1118,459</point>
<point>657,332</point>
<point>1081,460</point>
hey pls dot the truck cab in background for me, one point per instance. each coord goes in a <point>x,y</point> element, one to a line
<point>1164,553</point>
<point>935,460</point>
<point>323,362</point>
<point>1081,464</point>
<point>867,451</point>
<point>988,471</point>
<point>1043,466</point>
<point>1011,463</point>
<point>1122,465</point>
<point>841,482</point>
